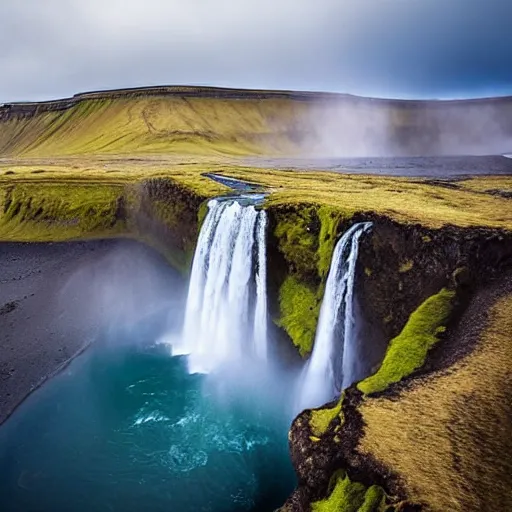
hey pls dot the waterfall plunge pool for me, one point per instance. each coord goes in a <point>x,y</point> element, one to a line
<point>128,427</point>
<point>125,427</point>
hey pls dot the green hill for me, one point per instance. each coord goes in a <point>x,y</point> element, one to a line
<point>155,124</point>
<point>212,121</point>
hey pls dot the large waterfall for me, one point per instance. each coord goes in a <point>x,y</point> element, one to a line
<point>226,312</point>
<point>331,366</point>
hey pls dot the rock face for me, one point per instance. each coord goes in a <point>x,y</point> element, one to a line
<point>165,215</point>
<point>399,267</point>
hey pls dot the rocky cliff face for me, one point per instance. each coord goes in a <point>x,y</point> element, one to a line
<point>167,216</point>
<point>400,267</point>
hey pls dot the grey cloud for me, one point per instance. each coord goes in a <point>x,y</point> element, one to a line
<point>404,48</point>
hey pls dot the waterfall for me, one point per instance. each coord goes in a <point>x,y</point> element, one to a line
<point>260,315</point>
<point>220,323</point>
<point>334,348</point>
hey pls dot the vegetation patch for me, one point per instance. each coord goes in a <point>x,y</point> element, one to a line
<point>407,352</point>
<point>159,212</point>
<point>406,266</point>
<point>399,198</point>
<point>323,417</point>
<point>306,235</point>
<point>374,500</point>
<point>299,308</point>
<point>59,211</point>
<point>297,234</point>
<point>155,125</point>
<point>447,437</point>
<point>348,496</point>
<point>330,219</point>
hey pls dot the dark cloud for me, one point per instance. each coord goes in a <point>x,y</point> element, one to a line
<point>400,48</point>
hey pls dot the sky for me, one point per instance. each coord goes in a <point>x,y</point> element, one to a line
<point>387,48</point>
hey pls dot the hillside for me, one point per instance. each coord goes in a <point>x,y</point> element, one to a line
<point>210,121</point>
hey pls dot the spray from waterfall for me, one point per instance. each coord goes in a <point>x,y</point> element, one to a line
<point>331,365</point>
<point>226,311</point>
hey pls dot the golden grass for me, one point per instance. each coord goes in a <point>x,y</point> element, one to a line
<point>449,437</point>
<point>155,124</point>
<point>403,199</point>
<point>487,183</point>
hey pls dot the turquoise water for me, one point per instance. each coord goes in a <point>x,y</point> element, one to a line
<point>125,428</point>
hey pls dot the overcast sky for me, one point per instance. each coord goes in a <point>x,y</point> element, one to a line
<point>392,48</point>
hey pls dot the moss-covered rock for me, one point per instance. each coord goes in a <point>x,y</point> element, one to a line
<point>322,417</point>
<point>60,211</point>
<point>159,212</point>
<point>299,306</point>
<point>348,496</point>
<point>303,237</point>
<point>407,352</point>
<point>345,496</point>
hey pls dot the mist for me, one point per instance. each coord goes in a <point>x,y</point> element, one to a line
<point>374,128</point>
<point>131,288</point>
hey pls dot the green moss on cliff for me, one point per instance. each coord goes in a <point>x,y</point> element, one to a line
<point>322,418</point>
<point>299,308</point>
<point>348,496</point>
<point>297,240</point>
<point>306,236</point>
<point>160,213</point>
<point>374,500</point>
<point>201,214</point>
<point>53,212</point>
<point>330,219</point>
<point>407,352</point>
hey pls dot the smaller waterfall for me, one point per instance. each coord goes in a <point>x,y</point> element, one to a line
<point>221,322</point>
<point>334,349</point>
<point>260,315</point>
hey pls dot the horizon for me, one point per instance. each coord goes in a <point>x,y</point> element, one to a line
<point>313,92</point>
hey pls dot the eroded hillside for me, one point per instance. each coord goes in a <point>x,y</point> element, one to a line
<point>211,121</point>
